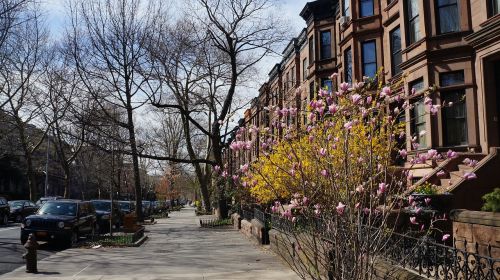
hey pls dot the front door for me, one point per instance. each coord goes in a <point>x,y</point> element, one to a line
<point>497,94</point>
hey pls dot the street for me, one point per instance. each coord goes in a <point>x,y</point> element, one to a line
<point>11,250</point>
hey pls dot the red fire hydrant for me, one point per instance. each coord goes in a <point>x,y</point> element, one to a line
<point>30,255</point>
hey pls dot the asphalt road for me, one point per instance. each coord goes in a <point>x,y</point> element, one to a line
<point>11,250</point>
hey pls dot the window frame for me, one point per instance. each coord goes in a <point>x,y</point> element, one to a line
<point>346,8</point>
<point>304,69</point>
<point>439,17</point>
<point>311,49</point>
<point>410,20</point>
<point>363,62</point>
<point>446,120</point>
<point>418,126</point>
<point>324,47</point>
<point>361,8</point>
<point>348,78</point>
<point>394,52</point>
<point>493,8</point>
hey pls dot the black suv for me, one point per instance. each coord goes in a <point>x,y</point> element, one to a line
<point>103,213</point>
<point>4,211</point>
<point>20,209</point>
<point>60,222</point>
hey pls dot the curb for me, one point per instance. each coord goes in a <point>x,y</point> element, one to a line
<point>140,241</point>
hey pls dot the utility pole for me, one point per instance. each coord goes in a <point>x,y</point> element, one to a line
<point>47,166</point>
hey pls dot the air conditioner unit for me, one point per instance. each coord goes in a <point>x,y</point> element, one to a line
<point>344,20</point>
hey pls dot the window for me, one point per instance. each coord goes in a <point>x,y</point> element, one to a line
<point>326,46</point>
<point>348,66</point>
<point>293,77</point>
<point>494,7</point>
<point>311,91</point>
<point>287,81</point>
<point>455,118</point>
<point>369,58</point>
<point>417,84</point>
<point>418,123</point>
<point>347,12</point>
<point>304,69</point>
<point>311,50</point>
<point>366,8</point>
<point>413,21</point>
<point>451,78</point>
<point>396,57</point>
<point>325,82</point>
<point>448,16</point>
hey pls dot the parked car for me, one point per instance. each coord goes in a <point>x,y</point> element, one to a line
<point>4,211</point>
<point>20,209</point>
<point>42,200</point>
<point>60,222</point>
<point>126,207</point>
<point>103,214</point>
<point>146,208</point>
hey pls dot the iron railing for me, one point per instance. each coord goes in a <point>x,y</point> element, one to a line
<point>438,261</point>
<point>247,215</point>
<point>261,216</point>
<point>215,222</point>
<point>427,258</point>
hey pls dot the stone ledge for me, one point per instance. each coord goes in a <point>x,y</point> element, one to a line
<point>476,217</point>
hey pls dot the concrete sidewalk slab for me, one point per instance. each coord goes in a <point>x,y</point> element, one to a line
<point>177,249</point>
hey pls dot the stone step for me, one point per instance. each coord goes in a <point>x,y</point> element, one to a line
<point>465,168</point>
<point>456,176</point>
<point>446,182</point>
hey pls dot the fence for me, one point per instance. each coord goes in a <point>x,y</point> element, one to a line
<point>261,216</point>
<point>120,239</point>
<point>420,255</point>
<point>247,215</point>
<point>208,223</point>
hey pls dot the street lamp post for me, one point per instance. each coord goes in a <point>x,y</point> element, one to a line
<point>47,167</point>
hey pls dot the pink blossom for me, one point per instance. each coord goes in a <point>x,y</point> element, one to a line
<point>287,213</point>
<point>413,220</point>
<point>427,100</point>
<point>382,188</point>
<point>244,168</point>
<point>470,176</point>
<point>445,237</point>
<point>244,184</point>
<point>224,174</point>
<point>235,177</point>
<point>369,100</point>
<point>355,98</point>
<point>410,199</point>
<point>274,209</point>
<point>340,208</point>
<point>332,109</point>
<point>322,152</point>
<point>386,91</point>
<point>451,154</point>
<point>324,173</point>
<point>418,210</point>
<point>344,87</point>
<point>427,200</point>
<point>334,76</point>
<point>217,168</point>
<point>317,208</point>
<point>403,153</point>
<point>432,153</point>
<point>348,125</point>
<point>357,205</point>
<point>293,111</point>
<point>294,219</point>
<point>434,109</point>
<point>441,173</point>
<point>305,200</point>
<point>311,138</point>
<point>413,91</point>
<point>366,211</point>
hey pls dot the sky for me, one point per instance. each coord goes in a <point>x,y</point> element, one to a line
<point>290,9</point>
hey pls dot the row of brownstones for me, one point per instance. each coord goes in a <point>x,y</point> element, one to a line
<point>451,44</point>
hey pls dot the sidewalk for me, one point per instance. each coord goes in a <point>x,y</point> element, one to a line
<point>177,248</point>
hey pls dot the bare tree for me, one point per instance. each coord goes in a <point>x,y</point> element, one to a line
<point>24,102</point>
<point>107,39</point>
<point>203,62</point>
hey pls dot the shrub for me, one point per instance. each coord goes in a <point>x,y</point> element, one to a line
<point>492,201</point>
<point>426,188</point>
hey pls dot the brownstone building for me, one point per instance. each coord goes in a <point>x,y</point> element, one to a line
<point>453,45</point>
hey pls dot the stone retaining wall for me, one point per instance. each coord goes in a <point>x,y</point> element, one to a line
<point>475,228</point>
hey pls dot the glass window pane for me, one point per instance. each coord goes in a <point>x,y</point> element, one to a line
<point>326,51</point>
<point>451,78</point>
<point>366,7</point>
<point>412,8</point>
<point>348,66</point>
<point>347,11</point>
<point>495,7</point>
<point>448,18</point>
<point>396,51</point>
<point>455,118</point>
<point>418,85</point>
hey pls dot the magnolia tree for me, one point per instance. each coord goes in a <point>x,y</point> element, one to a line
<point>339,175</point>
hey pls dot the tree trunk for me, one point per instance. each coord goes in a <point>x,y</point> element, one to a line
<point>135,162</point>
<point>66,183</point>
<point>31,178</point>
<point>205,195</point>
